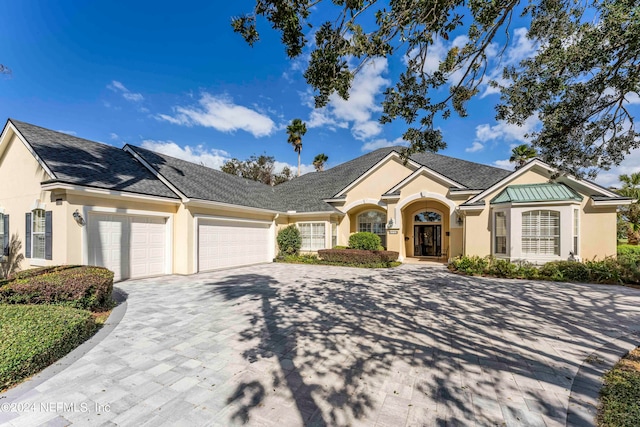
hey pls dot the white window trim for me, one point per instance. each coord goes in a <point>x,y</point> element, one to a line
<point>326,234</point>
<point>34,260</point>
<point>575,233</point>
<point>507,216</point>
<point>555,213</point>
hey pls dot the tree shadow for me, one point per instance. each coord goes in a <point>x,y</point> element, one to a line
<point>430,346</point>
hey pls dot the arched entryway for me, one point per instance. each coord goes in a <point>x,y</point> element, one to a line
<point>426,228</point>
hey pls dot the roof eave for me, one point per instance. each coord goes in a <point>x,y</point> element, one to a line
<point>52,185</point>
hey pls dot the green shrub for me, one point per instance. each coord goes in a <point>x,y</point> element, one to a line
<point>365,241</point>
<point>502,268</point>
<point>472,265</point>
<point>604,271</point>
<point>357,256</point>
<point>80,287</point>
<point>289,240</point>
<point>33,337</point>
<point>340,247</point>
<point>570,271</point>
<point>629,250</point>
<point>377,262</point>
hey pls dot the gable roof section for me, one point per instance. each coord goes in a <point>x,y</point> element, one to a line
<point>536,193</point>
<point>527,167</point>
<point>203,183</point>
<point>307,192</point>
<point>474,176</point>
<point>82,162</point>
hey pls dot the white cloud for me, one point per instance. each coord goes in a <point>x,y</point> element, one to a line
<point>358,110</point>
<point>118,87</point>
<point>220,113</point>
<point>504,164</point>
<point>476,146</point>
<point>113,135</point>
<point>278,166</point>
<point>629,165</point>
<point>209,157</point>
<point>381,143</point>
<point>68,132</point>
<point>506,131</point>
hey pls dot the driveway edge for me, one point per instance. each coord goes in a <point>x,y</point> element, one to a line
<point>60,365</point>
<point>585,390</point>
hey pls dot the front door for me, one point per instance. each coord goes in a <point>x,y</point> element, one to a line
<point>427,240</point>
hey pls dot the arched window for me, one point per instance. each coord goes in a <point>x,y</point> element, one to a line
<point>427,216</point>
<point>541,232</point>
<point>374,222</point>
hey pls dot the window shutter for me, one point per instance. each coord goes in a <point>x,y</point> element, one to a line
<point>27,247</point>
<point>5,244</point>
<point>48,225</point>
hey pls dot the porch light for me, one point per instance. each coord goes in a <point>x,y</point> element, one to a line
<point>460,221</point>
<point>78,217</point>
<point>390,224</point>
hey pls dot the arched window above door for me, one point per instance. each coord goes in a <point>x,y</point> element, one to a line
<point>427,216</point>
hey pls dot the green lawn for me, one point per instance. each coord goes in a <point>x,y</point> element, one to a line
<point>620,395</point>
<point>35,336</point>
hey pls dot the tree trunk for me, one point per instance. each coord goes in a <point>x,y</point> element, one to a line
<point>298,163</point>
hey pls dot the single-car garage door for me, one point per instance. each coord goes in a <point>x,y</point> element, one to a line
<point>130,246</point>
<point>231,243</point>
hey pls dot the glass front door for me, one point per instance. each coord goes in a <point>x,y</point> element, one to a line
<point>427,240</point>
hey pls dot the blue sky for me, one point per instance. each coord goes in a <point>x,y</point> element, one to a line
<point>173,77</point>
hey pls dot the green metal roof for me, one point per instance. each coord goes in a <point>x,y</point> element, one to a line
<point>536,193</point>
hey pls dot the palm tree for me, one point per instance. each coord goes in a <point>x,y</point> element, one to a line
<point>522,154</point>
<point>319,161</point>
<point>631,214</point>
<point>296,130</point>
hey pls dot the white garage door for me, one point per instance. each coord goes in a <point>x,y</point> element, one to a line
<point>224,243</point>
<point>130,246</point>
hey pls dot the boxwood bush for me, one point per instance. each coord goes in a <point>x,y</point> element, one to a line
<point>289,240</point>
<point>80,287</point>
<point>365,240</point>
<point>35,336</point>
<point>356,256</point>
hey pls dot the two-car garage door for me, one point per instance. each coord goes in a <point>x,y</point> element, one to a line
<point>231,243</point>
<point>130,246</point>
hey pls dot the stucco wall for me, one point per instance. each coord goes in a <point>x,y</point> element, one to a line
<point>20,178</point>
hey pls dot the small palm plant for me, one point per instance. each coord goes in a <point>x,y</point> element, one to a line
<point>296,131</point>
<point>522,154</point>
<point>319,161</point>
<point>11,262</point>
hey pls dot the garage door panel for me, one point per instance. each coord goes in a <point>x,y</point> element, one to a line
<point>130,246</point>
<point>229,244</point>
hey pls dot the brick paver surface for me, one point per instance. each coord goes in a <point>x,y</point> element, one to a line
<point>288,345</point>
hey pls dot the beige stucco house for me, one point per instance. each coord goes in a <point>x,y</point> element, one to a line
<point>142,213</point>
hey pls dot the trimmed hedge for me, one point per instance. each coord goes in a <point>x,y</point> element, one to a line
<point>357,256</point>
<point>35,336</point>
<point>80,287</point>
<point>624,269</point>
<point>313,259</point>
<point>364,240</point>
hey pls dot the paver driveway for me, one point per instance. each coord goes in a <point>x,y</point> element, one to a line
<point>288,345</point>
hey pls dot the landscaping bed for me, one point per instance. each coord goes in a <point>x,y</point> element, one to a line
<point>620,270</point>
<point>47,312</point>
<point>35,336</point>
<point>620,395</point>
<point>313,259</point>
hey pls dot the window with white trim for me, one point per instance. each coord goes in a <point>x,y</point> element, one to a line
<point>312,235</point>
<point>2,236</point>
<point>37,234</point>
<point>576,230</point>
<point>374,222</point>
<point>541,232</point>
<point>500,233</point>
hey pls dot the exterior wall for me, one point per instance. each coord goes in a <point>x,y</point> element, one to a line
<point>597,232</point>
<point>327,218</point>
<point>20,178</point>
